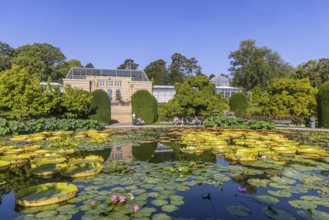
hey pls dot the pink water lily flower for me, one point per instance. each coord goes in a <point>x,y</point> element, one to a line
<point>114,198</point>
<point>242,189</point>
<point>122,199</point>
<point>136,207</point>
<point>93,204</point>
<point>132,168</point>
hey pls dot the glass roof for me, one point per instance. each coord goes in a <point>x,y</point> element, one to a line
<point>220,81</point>
<point>81,73</point>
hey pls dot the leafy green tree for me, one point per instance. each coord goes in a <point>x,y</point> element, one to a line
<point>129,64</point>
<point>211,76</point>
<point>181,68</point>
<point>290,97</point>
<point>6,54</point>
<point>251,65</point>
<point>89,65</point>
<point>324,69</point>
<point>63,69</point>
<point>39,59</point>
<point>22,93</point>
<point>76,103</point>
<point>158,72</point>
<point>309,70</point>
<point>194,96</point>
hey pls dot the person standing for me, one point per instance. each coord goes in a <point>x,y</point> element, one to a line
<point>134,118</point>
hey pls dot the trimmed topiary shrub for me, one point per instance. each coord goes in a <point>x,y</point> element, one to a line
<point>145,106</point>
<point>323,105</point>
<point>101,105</point>
<point>238,104</point>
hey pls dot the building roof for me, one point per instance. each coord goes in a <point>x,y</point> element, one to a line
<point>220,81</point>
<point>81,73</point>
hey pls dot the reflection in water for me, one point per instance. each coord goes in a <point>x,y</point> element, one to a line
<point>121,152</point>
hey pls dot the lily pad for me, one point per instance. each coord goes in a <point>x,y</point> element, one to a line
<point>169,208</point>
<point>283,180</point>
<point>279,193</point>
<point>278,213</point>
<point>258,182</point>
<point>239,210</point>
<point>313,214</point>
<point>267,199</point>
<point>45,194</point>
<point>159,202</point>
<point>302,204</point>
<point>161,216</point>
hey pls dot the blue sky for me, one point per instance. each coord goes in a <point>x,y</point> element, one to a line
<point>106,32</point>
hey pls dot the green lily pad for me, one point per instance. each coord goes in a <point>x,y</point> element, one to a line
<point>258,182</point>
<point>144,212</point>
<point>279,193</point>
<point>46,214</point>
<point>159,202</point>
<point>302,204</point>
<point>239,210</point>
<point>279,186</point>
<point>313,214</point>
<point>278,213</point>
<point>161,216</point>
<point>267,199</point>
<point>169,208</point>
<point>283,180</point>
<point>221,177</point>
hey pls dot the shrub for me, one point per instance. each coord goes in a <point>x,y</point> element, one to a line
<point>323,105</point>
<point>101,104</point>
<point>239,104</point>
<point>145,106</point>
<point>238,123</point>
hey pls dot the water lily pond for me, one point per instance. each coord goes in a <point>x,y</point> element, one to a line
<point>168,173</point>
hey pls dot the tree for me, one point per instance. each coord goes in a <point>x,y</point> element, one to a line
<point>181,68</point>
<point>22,93</point>
<point>129,64</point>
<point>251,65</point>
<point>193,97</point>
<point>324,69</point>
<point>157,72</point>
<point>145,106</point>
<point>6,54</point>
<point>309,70</point>
<point>89,65</point>
<point>290,97</point>
<point>212,76</point>
<point>238,104</point>
<point>102,105</point>
<point>39,59</point>
<point>63,69</point>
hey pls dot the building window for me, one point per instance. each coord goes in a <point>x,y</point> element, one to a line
<point>109,83</point>
<point>117,95</point>
<point>109,93</point>
<point>117,83</point>
<point>101,83</point>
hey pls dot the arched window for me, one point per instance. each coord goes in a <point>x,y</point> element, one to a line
<point>117,95</point>
<point>109,93</point>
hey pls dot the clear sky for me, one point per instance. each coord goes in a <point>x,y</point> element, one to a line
<point>106,32</point>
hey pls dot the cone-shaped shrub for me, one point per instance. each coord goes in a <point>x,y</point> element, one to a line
<point>239,104</point>
<point>101,106</point>
<point>323,105</point>
<point>145,106</point>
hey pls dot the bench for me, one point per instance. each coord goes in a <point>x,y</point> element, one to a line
<point>282,123</point>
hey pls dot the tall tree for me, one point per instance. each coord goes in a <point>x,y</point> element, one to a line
<point>194,96</point>
<point>309,70</point>
<point>6,54</point>
<point>157,72</point>
<point>129,64</point>
<point>181,68</point>
<point>211,76</point>
<point>39,59</point>
<point>251,65</point>
<point>324,69</point>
